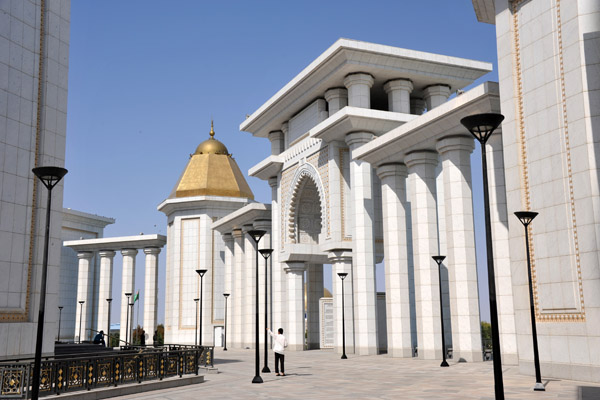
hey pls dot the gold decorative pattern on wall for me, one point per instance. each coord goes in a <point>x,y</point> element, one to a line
<point>525,184</point>
<point>23,316</point>
<point>342,154</point>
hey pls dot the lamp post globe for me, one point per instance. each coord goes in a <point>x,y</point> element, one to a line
<point>439,260</point>
<point>49,176</point>
<point>481,127</point>
<point>266,253</point>
<point>256,235</point>
<point>201,273</point>
<point>343,276</point>
<point>526,217</point>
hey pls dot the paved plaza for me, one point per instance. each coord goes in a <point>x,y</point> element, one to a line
<point>320,374</point>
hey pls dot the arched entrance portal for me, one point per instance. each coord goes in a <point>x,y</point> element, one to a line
<point>306,226</point>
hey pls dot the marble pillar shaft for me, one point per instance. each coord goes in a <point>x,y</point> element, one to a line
<point>314,293</point>
<point>295,291</point>
<point>395,239</point>
<point>128,286</point>
<point>105,288</point>
<point>341,262</point>
<point>151,290</point>
<point>237,294</point>
<point>85,293</point>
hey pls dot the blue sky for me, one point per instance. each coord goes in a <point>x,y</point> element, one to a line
<point>146,77</point>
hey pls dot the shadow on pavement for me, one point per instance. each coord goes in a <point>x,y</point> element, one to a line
<point>219,361</point>
<point>588,393</point>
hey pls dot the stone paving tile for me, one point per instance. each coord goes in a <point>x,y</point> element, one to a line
<point>320,374</point>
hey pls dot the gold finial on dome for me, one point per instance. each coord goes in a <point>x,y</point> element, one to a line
<point>212,145</point>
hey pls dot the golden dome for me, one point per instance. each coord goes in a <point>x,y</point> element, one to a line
<point>211,171</point>
<point>212,145</point>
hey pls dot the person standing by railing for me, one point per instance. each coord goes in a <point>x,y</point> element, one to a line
<point>279,345</point>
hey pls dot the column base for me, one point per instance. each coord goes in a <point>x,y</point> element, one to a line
<point>295,347</point>
<point>430,355</point>
<point>400,353</point>
<point>467,356</point>
<point>367,351</point>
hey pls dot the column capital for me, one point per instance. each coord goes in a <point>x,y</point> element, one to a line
<point>450,143</point>
<point>152,250</point>
<point>237,233</point>
<point>227,238</point>
<point>275,135</point>
<point>417,105</point>
<point>398,84</point>
<point>295,267</point>
<point>358,138</point>
<point>85,255</point>
<point>340,255</point>
<point>437,90</point>
<point>421,157</point>
<point>246,228</point>
<point>273,181</point>
<point>129,252</point>
<point>285,127</point>
<point>263,224</point>
<point>335,93</point>
<point>107,253</point>
<point>391,170</point>
<point>359,78</point>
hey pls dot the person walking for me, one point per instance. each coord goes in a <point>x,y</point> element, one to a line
<point>279,345</point>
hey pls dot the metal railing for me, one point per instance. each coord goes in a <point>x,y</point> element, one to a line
<point>59,375</point>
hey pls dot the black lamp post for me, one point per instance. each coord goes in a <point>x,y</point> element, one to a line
<point>127,322</point>
<point>201,273</point>
<point>481,127</point>
<point>59,319</point>
<point>526,217</point>
<point>196,331</point>
<point>438,260</point>
<point>226,295</point>
<point>50,176</point>
<point>343,276</point>
<point>256,235</point>
<point>80,317</point>
<point>266,253</point>
<point>131,329</point>
<point>109,301</point>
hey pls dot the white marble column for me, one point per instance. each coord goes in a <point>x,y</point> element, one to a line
<point>237,294</point>
<point>314,286</point>
<point>455,152</point>
<point>395,240</point>
<point>421,168</point>
<point>105,288</point>
<point>435,95</point>
<point>150,290</point>
<point>363,249</point>
<point>279,290</point>
<point>341,261</point>
<point>359,89</point>
<point>128,286</point>
<point>499,219</point>
<point>417,106</point>
<point>84,293</point>
<point>295,294</point>
<point>249,288</point>
<point>398,91</point>
<point>277,142</point>
<point>229,271</point>
<point>337,98</point>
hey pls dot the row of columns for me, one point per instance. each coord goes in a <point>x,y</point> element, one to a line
<point>85,291</point>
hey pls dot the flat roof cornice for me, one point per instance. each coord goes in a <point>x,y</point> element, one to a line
<point>347,56</point>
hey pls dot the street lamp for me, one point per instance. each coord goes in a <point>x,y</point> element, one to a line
<point>59,319</point>
<point>266,253</point>
<point>526,217</point>
<point>131,329</point>
<point>80,317</point>
<point>343,276</point>
<point>481,127</point>
<point>50,176</point>
<point>127,322</point>
<point>226,295</point>
<point>201,272</point>
<point>438,260</point>
<point>196,331</point>
<point>256,235</point>
<point>108,323</point>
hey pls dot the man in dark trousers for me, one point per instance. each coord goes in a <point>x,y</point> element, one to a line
<point>279,345</point>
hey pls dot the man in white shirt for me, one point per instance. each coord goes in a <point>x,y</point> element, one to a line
<point>279,345</point>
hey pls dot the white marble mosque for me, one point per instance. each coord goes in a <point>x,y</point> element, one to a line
<point>369,163</point>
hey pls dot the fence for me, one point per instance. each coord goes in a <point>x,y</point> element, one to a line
<point>137,365</point>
